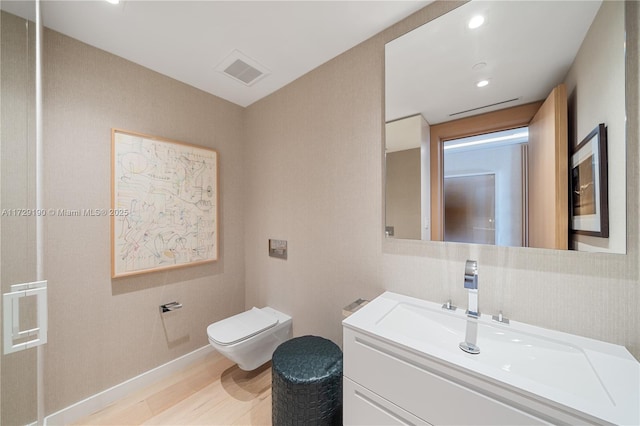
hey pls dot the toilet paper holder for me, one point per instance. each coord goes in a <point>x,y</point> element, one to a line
<point>172,306</point>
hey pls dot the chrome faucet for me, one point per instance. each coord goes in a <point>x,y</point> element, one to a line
<point>471,284</point>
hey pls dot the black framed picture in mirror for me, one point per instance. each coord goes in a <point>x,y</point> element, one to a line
<point>589,194</point>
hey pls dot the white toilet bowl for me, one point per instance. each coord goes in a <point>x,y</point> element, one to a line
<point>251,337</point>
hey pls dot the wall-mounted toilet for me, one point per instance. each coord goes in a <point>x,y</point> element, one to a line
<point>251,337</point>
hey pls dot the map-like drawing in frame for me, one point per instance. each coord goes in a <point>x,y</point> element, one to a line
<point>164,204</point>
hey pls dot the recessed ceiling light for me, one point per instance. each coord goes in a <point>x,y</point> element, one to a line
<point>476,21</point>
<point>113,1</point>
<point>482,83</point>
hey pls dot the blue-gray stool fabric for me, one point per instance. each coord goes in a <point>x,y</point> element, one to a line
<point>307,382</point>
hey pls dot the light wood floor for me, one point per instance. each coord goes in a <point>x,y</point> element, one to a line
<point>211,392</point>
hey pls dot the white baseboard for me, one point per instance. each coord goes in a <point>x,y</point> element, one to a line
<point>103,399</point>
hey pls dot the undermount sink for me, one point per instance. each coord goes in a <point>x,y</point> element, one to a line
<point>594,377</point>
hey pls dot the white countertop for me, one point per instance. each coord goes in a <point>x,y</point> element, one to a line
<point>593,377</point>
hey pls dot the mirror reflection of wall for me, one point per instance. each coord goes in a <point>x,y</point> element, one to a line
<point>571,67</point>
<point>407,177</point>
<point>403,189</point>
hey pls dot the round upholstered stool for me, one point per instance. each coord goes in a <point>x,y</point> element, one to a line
<point>307,382</point>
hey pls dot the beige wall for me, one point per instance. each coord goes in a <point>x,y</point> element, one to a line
<point>403,193</point>
<point>103,331</point>
<point>314,158</point>
<point>595,85</point>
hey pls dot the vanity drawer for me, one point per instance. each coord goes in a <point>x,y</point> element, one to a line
<point>363,407</point>
<point>406,380</point>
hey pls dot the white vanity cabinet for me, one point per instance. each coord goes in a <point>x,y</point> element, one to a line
<point>388,385</point>
<point>402,365</point>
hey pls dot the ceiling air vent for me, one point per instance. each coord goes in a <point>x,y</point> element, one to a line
<point>242,68</point>
<point>483,107</point>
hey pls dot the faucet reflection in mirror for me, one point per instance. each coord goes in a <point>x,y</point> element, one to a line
<point>557,71</point>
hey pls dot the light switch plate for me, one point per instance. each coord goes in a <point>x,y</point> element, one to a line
<point>278,248</point>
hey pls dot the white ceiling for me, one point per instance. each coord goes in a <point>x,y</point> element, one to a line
<point>186,40</point>
<point>528,47</point>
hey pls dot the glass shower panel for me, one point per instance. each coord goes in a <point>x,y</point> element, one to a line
<point>18,378</point>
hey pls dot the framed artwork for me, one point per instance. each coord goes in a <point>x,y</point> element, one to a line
<point>589,186</point>
<point>164,205</point>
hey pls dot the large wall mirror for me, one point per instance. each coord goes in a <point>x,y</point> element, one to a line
<point>505,125</point>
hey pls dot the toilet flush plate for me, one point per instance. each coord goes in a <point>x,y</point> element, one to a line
<point>278,248</point>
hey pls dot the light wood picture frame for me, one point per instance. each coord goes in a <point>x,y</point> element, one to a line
<point>589,185</point>
<point>164,204</point>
